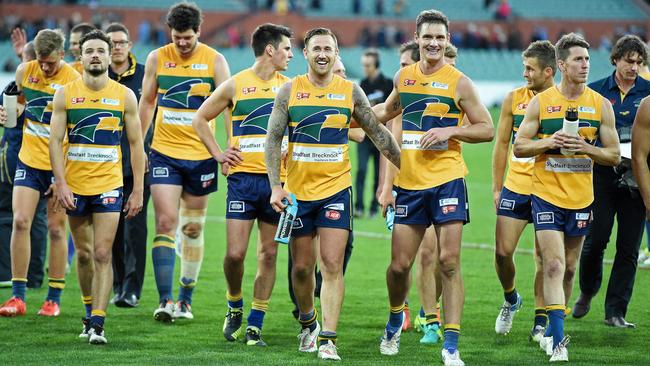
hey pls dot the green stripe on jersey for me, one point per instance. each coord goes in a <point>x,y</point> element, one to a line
<point>77,115</point>
<point>244,106</point>
<point>31,94</point>
<point>517,119</point>
<point>550,125</point>
<point>408,98</point>
<point>300,112</point>
<point>168,81</point>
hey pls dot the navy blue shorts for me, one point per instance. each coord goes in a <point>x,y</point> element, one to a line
<point>333,211</point>
<point>249,197</point>
<point>515,205</point>
<point>37,179</point>
<point>197,177</point>
<point>572,223</point>
<point>110,201</point>
<point>438,205</point>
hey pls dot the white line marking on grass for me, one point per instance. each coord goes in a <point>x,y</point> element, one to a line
<point>374,235</point>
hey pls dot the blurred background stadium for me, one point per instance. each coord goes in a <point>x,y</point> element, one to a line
<point>490,34</point>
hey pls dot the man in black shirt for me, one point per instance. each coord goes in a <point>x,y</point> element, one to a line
<point>130,246</point>
<point>377,87</point>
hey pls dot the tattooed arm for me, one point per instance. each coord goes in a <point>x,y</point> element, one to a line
<point>273,147</point>
<point>378,133</point>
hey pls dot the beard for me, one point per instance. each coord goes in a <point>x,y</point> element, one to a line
<point>96,72</point>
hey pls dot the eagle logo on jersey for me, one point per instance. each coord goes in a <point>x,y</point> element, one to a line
<point>40,109</point>
<point>259,117</point>
<point>429,107</point>
<point>314,123</point>
<point>181,92</point>
<point>101,121</point>
<point>588,132</point>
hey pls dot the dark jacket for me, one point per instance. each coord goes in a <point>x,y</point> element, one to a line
<point>377,90</point>
<point>131,78</point>
<point>624,110</point>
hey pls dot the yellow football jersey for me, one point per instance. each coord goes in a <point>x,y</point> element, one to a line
<point>183,85</point>
<point>39,91</point>
<point>520,170</point>
<point>94,129</point>
<point>78,67</point>
<point>428,102</point>
<point>645,75</point>
<point>319,118</point>
<point>397,119</point>
<point>566,181</point>
<point>250,112</point>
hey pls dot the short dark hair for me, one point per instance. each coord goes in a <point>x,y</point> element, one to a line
<point>184,16</point>
<point>268,33</point>
<point>83,28</point>
<point>117,27</point>
<point>626,45</point>
<point>431,16</point>
<point>543,52</point>
<point>372,52</point>
<point>411,46</point>
<point>96,34</point>
<point>566,42</point>
<point>320,32</point>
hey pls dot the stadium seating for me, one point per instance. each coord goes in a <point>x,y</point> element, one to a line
<point>584,9</point>
<point>480,65</point>
<point>474,10</point>
<point>466,10</point>
<point>207,5</point>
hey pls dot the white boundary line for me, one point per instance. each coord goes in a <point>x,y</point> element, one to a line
<point>374,235</point>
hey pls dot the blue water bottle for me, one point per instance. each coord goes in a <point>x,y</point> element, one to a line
<point>390,215</point>
<point>283,234</point>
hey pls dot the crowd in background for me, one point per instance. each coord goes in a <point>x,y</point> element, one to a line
<point>500,35</point>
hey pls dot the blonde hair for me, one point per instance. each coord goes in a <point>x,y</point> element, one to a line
<point>48,41</point>
<point>451,51</point>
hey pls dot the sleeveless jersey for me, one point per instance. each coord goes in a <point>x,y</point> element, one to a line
<point>39,91</point>
<point>94,128</point>
<point>566,181</point>
<point>428,102</point>
<point>183,85</point>
<point>520,170</point>
<point>319,119</point>
<point>251,110</point>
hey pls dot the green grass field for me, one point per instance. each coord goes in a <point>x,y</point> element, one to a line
<point>135,338</point>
